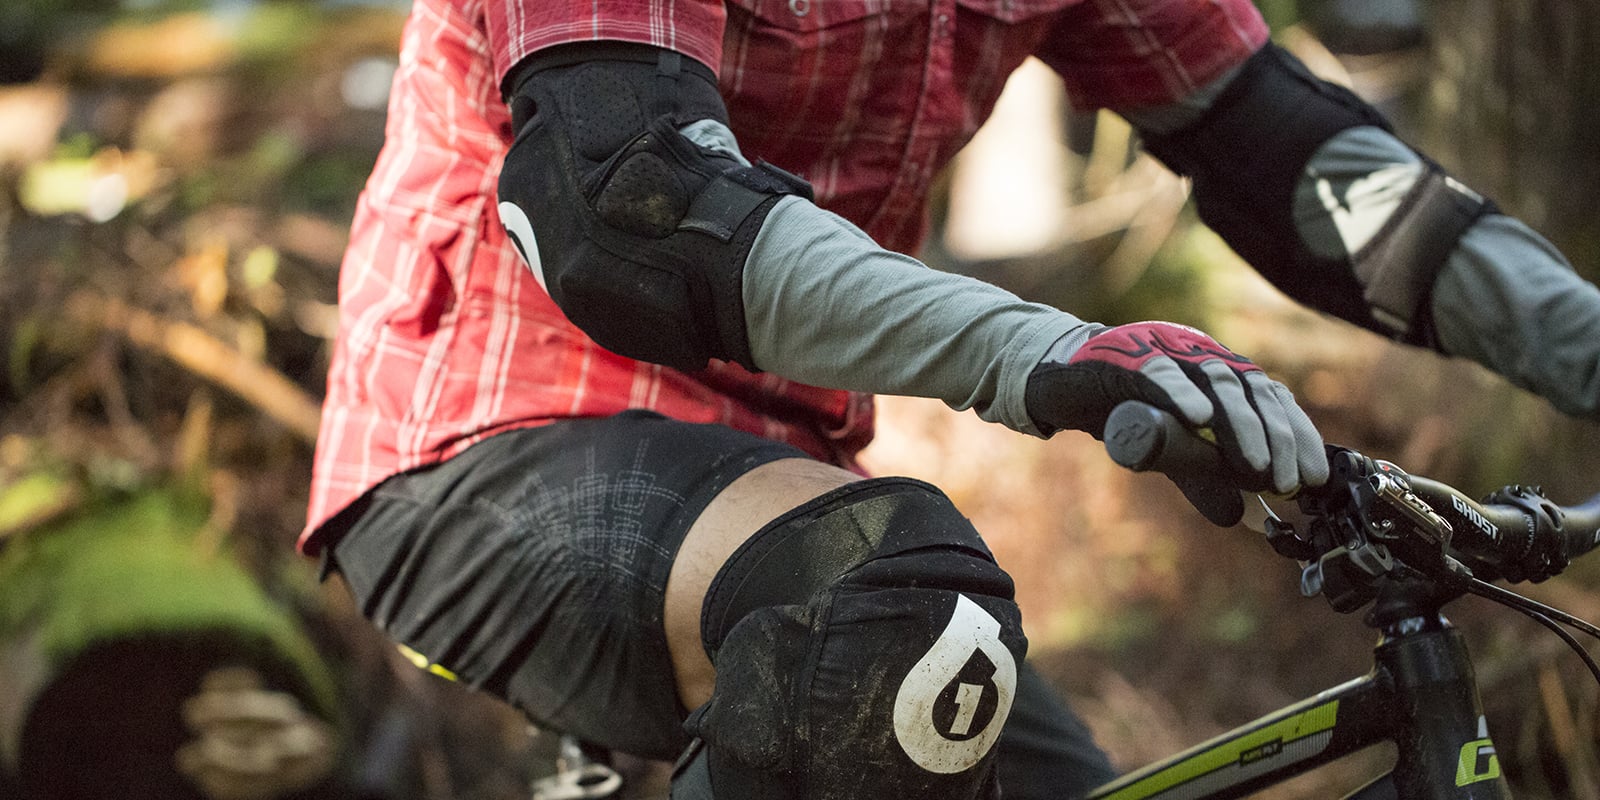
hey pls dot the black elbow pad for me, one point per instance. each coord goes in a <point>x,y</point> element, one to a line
<point>1248,154</point>
<point>639,234</point>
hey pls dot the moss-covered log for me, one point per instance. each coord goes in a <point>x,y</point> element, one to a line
<point>110,626</point>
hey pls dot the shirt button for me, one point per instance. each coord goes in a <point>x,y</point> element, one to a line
<point>800,7</point>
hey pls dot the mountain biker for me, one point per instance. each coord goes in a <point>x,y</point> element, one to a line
<point>576,449</point>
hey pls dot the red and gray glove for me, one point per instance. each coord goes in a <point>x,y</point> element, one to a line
<point>1263,434</point>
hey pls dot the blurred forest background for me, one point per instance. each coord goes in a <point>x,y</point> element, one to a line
<point>176,178</point>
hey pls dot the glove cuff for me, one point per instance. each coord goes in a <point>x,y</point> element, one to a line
<point>1043,398</point>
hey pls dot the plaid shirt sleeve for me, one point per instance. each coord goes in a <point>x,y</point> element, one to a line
<point>517,28</point>
<point>1122,54</point>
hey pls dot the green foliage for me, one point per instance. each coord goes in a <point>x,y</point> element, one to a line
<point>279,31</point>
<point>33,494</point>
<point>327,183</point>
<point>1279,14</point>
<point>26,337</point>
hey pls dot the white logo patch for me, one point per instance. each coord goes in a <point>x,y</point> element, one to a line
<point>521,231</point>
<point>1368,202</point>
<point>953,703</point>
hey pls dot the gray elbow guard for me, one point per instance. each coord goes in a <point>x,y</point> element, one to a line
<point>1248,154</point>
<point>639,234</point>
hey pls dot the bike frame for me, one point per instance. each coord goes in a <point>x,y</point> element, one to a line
<point>1421,695</point>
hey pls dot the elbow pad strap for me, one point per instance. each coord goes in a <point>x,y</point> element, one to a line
<point>1398,267</point>
<point>1248,154</point>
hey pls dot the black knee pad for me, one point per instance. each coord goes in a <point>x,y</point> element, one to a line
<point>866,645</point>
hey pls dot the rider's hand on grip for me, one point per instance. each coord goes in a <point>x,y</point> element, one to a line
<point>1263,435</point>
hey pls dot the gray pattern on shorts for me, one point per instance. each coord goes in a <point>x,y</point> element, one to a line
<point>603,515</point>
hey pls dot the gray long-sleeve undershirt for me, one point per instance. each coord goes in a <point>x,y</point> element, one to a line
<point>826,305</point>
<point>1508,300</point>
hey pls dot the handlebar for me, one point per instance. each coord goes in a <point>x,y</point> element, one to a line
<point>1372,516</point>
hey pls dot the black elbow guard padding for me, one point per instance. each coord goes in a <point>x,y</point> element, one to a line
<point>1248,154</point>
<point>639,234</point>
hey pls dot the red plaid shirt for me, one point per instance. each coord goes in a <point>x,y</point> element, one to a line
<point>445,337</point>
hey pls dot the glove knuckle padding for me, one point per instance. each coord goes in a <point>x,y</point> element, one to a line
<point>1265,439</point>
<point>1157,362</point>
<point>1248,154</point>
<point>866,645</point>
<point>640,235</point>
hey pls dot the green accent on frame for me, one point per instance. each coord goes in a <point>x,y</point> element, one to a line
<point>1244,749</point>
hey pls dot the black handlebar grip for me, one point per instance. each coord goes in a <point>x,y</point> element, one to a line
<point>1144,438</point>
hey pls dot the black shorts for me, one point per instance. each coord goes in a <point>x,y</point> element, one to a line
<point>534,564</point>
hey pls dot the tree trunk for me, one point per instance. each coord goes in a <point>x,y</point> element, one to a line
<point>1512,106</point>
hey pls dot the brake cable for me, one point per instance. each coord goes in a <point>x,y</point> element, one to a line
<point>1545,615</point>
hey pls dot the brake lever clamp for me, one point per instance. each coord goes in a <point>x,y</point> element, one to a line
<point>1367,524</point>
<point>1391,488</point>
<point>1419,536</point>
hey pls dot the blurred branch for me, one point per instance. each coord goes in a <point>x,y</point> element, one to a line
<point>1121,200</point>
<point>1576,753</point>
<point>312,238</point>
<point>206,356</point>
<point>1148,228</point>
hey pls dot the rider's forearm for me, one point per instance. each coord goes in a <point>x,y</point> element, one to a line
<point>826,305</point>
<point>1508,300</point>
<point>656,237</point>
<point>1369,244</point>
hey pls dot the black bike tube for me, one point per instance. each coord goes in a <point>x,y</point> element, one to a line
<point>1278,746</point>
<point>1444,749</point>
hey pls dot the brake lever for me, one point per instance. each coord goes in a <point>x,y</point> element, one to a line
<point>1281,535</point>
<point>1365,524</point>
